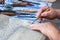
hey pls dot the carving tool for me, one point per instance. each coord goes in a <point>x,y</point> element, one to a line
<point>40,16</point>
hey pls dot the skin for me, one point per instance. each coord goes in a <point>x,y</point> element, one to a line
<point>51,14</point>
<point>48,28</point>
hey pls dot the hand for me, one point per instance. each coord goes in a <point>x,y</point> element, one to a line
<point>51,14</point>
<point>47,29</point>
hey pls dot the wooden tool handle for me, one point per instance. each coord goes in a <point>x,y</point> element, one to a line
<point>40,16</point>
<point>42,12</point>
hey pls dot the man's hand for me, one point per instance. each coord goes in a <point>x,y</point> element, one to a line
<point>51,14</point>
<point>47,29</point>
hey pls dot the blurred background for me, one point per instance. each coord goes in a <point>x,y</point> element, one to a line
<point>22,8</point>
<point>26,9</point>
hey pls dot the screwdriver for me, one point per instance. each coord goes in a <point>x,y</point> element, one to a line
<point>40,16</point>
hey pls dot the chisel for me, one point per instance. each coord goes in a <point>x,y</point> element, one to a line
<point>40,16</point>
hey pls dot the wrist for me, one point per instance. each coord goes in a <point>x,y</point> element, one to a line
<point>54,37</point>
<point>57,11</point>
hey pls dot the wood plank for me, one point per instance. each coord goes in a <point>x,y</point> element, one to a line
<point>1,1</point>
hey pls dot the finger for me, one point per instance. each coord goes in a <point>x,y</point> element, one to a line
<point>44,8</point>
<point>35,26</point>
<point>44,15</point>
<point>39,27</point>
<point>41,11</point>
